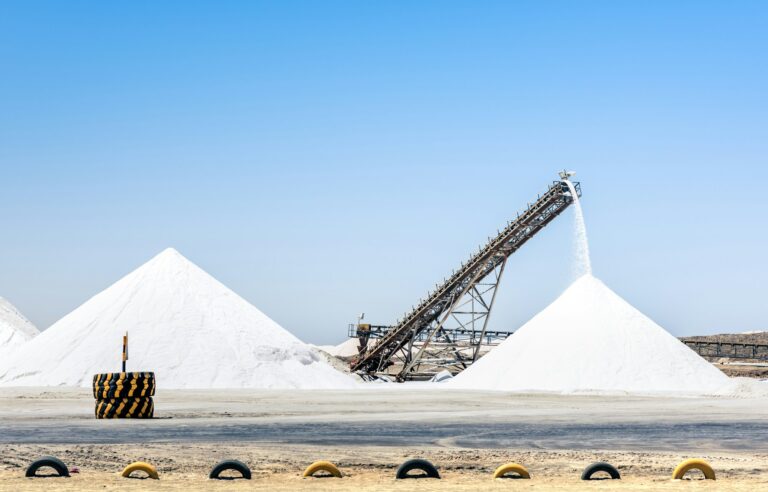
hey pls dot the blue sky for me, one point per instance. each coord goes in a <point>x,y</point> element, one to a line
<point>327,158</point>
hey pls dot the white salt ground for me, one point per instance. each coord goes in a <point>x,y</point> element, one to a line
<point>347,348</point>
<point>591,340</point>
<point>15,329</point>
<point>184,325</point>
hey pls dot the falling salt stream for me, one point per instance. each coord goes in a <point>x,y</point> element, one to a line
<point>583,263</point>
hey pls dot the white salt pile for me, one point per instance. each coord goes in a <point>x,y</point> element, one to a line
<point>15,329</point>
<point>183,324</point>
<point>347,348</point>
<point>590,339</point>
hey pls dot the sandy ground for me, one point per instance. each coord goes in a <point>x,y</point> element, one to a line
<point>369,433</point>
<point>368,468</point>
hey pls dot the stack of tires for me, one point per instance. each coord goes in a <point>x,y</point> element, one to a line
<point>124,395</point>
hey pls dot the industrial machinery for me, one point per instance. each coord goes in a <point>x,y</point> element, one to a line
<point>454,350</point>
<point>448,329</point>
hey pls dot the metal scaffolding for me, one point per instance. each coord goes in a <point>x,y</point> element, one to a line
<point>424,340</point>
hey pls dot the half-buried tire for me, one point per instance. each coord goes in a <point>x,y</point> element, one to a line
<point>322,466</point>
<point>234,465</point>
<point>511,469</point>
<point>693,464</point>
<point>47,462</point>
<point>147,468</point>
<point>403,471</point>
<point>598,467</point>
<point>125,408</point>
<point>123,385</point>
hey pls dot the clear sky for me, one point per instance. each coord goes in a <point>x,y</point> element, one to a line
<point>327,158</point>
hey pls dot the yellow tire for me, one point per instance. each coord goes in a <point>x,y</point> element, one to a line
<point>511,468</point>
<point>693,464</point>
<point>325,466</point>
<point>150,470</point>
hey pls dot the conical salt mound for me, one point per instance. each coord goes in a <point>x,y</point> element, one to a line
<point>184,325</point>
<point>590,339</point>
<point>15,329</point>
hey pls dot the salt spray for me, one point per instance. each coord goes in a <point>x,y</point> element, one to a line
<point>583,263</point>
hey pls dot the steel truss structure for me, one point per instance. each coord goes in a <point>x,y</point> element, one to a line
<point>425,339</point>
<point>453,350</point>
<point>492,337</point>
<point>730,350</point>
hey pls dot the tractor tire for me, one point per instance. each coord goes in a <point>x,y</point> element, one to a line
<point>123,385</point>
<point>125,408</point>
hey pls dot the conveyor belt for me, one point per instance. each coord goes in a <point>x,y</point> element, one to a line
<point>430,314</point>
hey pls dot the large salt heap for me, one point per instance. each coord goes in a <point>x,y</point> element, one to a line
<point>183,324</point>
<point>590,339</point>
<point>15,329</point>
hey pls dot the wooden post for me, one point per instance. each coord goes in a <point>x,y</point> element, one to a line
<point>125,349</point>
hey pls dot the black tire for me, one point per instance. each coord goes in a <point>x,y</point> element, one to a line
<point>125,408</point>
<point>600,466</point>
<point>123,385</point>
<point>238,466</point>
<point>48,461</point>
<point>417,464</point>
